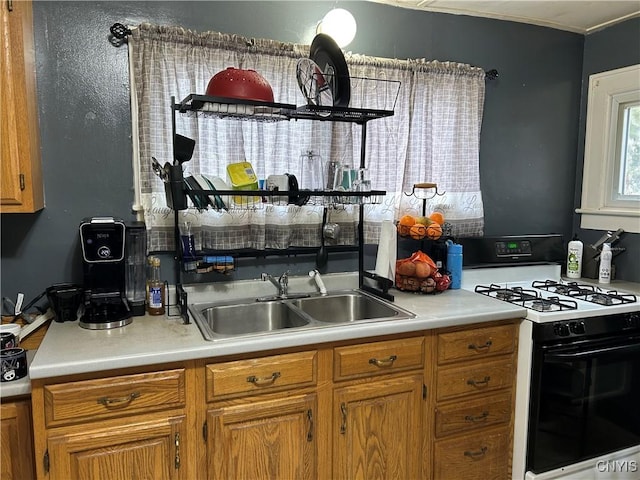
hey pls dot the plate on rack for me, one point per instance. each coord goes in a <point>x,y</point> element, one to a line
<point>326,53</point>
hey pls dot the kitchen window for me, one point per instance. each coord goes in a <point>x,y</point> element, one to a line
<point>611,180</point>
<point>433,136</point>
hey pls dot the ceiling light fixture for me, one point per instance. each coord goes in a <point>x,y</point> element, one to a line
<point>340,25</point>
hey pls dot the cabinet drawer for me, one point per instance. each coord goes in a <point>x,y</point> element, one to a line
<point>482,456</point>
<point>474,414</point>
<point>476,343</point>
<point>475,378</point>
<point>378,358</point>
<point>90,400</point>
<point>261,375</point>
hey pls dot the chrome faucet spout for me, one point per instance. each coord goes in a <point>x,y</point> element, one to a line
<point>282,283</point>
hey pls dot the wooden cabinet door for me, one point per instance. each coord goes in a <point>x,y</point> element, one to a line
<point>270,439</point>
<point>21,177</point>
<point>16,442</point>
<point>142,450</point>
<point>378,429</point>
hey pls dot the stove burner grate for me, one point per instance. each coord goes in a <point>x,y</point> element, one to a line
<point>512,295</point>
<point>530,299</point>
<point>589,293</point>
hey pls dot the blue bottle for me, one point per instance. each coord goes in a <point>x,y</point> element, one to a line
<point>454,263</point>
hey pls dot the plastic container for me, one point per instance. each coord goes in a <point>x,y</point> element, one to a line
<point>136,274</point>
<point>604,275</point>
<point>574,258</point>
<point>454,264</point>
<point>243,177</point>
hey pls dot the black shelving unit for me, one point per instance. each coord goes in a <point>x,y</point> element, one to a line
<point>224,108</point>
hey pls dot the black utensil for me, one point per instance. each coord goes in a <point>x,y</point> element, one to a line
<point>183,148</point>
<point>323,255</point>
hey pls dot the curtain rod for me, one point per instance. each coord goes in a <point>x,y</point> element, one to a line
<point>120,32</point>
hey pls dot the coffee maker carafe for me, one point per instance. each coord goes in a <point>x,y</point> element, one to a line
<point>103,246</point>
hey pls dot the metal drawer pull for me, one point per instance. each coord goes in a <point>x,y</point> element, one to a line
<point>385,362</point>
<point>260,382</point>
<point>479,453</point>
<point>473,346</point>
<point>479,383</point>
<point>343,411</point>
<point>477,418</point>
<point>310,431</point>
<point>118,402</point>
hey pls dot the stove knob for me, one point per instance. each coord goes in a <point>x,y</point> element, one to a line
<point>577,327</point>
<point>561,329</point>
<point>633,320</point>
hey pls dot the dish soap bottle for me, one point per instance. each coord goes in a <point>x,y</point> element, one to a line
<point>156,290</point>
<point>574,258</point>
<point>605,264</point>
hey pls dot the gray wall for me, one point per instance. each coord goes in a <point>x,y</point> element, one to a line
<point>612,48</point>
<point>529,140</point>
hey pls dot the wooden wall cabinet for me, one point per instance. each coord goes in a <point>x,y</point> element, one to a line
<point>22,188</point>
<point>16,441</point>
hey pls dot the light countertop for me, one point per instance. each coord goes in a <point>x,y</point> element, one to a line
<point>68,349</point>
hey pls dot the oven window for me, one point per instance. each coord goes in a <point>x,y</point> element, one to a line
<point>584,401</point>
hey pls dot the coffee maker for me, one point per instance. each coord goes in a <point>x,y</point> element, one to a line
<point>103,245</point>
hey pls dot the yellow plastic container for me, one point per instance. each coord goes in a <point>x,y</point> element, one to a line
<point>242,177</point>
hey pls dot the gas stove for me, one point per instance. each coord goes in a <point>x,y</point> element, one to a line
<point>578,359</point>
<point>520,270</point>
<point>554,300</point>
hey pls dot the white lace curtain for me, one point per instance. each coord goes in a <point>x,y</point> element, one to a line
<point>433,136</point>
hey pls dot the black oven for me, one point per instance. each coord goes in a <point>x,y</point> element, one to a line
<point>585,390</point>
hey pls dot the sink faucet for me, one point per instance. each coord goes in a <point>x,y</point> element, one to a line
<point>282,283</point>
<point>315,274</point>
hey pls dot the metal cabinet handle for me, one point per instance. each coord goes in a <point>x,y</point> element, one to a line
<point>475,347</point>
<point>343,411</point>
<point>479,383</point>
<point>478,453</point>
<point>310,431</point>
<point>118,402</point>
<point>478,418</point>
<point>260,382</point>
<point>385,362</point>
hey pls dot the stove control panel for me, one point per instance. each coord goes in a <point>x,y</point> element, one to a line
<point>587,327</point>
<point>513,248</point>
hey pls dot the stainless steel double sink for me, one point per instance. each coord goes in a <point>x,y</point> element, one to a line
<point>250,317</point>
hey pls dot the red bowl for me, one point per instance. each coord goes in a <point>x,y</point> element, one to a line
<point>240,84</point>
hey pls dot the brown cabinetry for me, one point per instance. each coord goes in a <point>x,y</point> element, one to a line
<point>19,133</point>
<point>424,405</point>
<point>378,407</point>
<point>474,402</point>
<point>16,442</point>
<point>261,417</point>
<point>113,427</point>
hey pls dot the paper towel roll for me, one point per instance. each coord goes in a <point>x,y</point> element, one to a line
<point>387,248</point>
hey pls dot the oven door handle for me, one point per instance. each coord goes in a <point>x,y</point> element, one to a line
<point>617,349</point>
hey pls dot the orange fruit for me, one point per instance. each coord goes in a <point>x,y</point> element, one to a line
<point>418,231</point>
<point>407,220</point>
<point>434,231</point>
<point>437,217</point>
<point>403,230</point>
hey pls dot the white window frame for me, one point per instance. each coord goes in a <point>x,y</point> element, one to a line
<point>601,208</point>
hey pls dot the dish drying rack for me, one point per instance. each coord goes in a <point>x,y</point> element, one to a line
<point>215,107</point>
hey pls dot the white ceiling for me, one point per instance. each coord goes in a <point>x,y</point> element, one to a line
<point>571,15</point>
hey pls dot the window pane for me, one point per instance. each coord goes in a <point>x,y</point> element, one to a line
<point>630,154</point>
